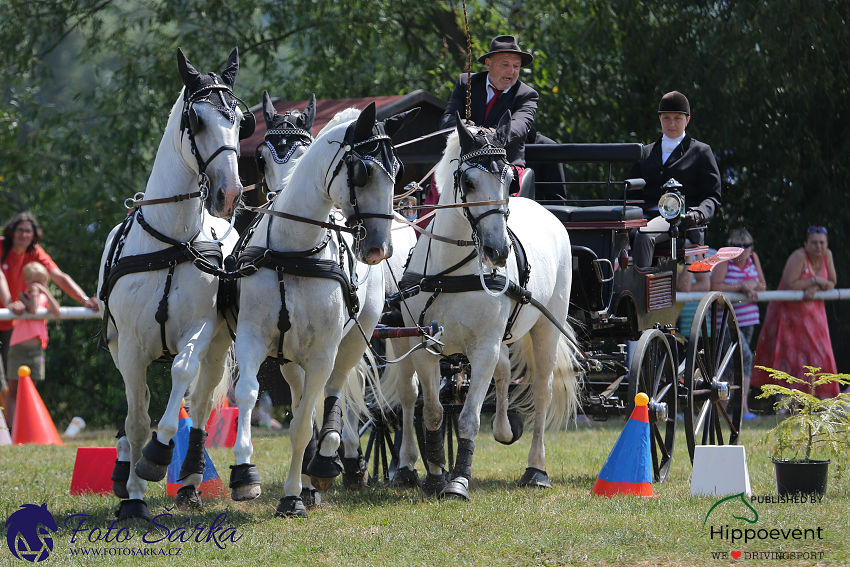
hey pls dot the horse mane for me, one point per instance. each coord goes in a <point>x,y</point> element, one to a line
<point>342,116</point>
<point>446,167</point>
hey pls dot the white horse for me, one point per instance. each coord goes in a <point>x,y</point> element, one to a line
<point>302,309</point>
<point>454,292</point>
<point>158,281</point>
<point>288,136</point>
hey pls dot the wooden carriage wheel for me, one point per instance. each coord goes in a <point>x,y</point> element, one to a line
<point>653,372</point>
<point>712,396</point>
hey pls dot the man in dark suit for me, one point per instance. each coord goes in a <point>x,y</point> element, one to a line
<point>675,155</point>
<point>495,91</point>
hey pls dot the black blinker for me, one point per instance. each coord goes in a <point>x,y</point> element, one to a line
<point>247,125</point>
<point>194,120</point>
<point>361,174</point>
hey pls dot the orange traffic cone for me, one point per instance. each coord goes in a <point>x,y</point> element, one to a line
<point>628,469</point>
<point>32,421</point>
<point>93,471</point>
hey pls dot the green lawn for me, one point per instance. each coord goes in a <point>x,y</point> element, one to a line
<point>503,525</point>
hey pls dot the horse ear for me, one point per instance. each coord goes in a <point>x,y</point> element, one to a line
<point>309,115</point>
<point>187,72</point>
<point>229,74</point>
<point>269,111</point>
<point>465,137</point>
<point>365,122</point>
<point>395,123</point>
<point>503,130</point>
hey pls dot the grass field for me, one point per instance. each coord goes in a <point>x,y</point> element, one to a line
<point>503,525</point>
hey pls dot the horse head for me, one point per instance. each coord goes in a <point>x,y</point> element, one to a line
<point>288,137</point>
<point>212,123</point>
<point>484,175</point>
<point>362,181</point>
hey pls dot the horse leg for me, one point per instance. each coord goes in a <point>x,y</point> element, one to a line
<point>251,349</point>
<point>137,426</point>
<point>294,376</point>
<point>212,372</point>
<point>543,344</point>
<point>316,372</point>
<point>507,427</point>
<point>483,362</point>
<point>326,463</point>
<point>157,454</point>
<point>433,451</point>
<point>406,385</point>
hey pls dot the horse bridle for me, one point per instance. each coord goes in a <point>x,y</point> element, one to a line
<point>191,122</point>
<point>488,158</point>
<point>282,140</point>
<point>358,173</point>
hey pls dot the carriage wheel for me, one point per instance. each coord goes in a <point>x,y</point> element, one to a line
<point>712,393</point>
<point>653,372</point>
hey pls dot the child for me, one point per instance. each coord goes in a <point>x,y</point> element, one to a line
<point>29,336</point>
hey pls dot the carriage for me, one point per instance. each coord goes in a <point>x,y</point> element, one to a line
<point>626,321</point>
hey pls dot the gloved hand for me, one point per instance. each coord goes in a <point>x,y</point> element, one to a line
<point>692,218</point>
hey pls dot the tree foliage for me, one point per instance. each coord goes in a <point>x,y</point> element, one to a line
<point>87,85</point>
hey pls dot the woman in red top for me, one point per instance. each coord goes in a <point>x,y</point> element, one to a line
<point>21,236</point>
<point>795,334</point>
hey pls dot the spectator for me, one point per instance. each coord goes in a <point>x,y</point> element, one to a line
<point>21,236</point>
<point>743,275</point>
<point>795,333</point>
<point>29,336</point>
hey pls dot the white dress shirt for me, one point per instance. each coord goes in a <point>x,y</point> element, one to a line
<point>668,145</point>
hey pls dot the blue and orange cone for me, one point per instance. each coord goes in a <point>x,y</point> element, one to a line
<point>211,485</point>
<point>628,469</point>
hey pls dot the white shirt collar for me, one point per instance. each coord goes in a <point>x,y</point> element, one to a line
<point>491,90</point>
<point>668,145</point>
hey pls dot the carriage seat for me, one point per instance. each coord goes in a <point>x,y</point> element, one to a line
<point>526,188</point>
<point>601,213</point>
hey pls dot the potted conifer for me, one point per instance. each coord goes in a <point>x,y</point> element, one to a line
<point>814,428</point>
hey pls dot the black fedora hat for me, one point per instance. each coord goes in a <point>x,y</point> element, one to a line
<point>507,44</point>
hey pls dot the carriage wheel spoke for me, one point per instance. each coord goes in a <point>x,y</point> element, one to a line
<point>733,431</point>
<point>718,411</point>
<point>720,336</point>
<point>659,440</point>
<point>659,375</point>
<point>705,375</point>
<point>660,396</point>
<point>726,359</point>
<point>698,426</point>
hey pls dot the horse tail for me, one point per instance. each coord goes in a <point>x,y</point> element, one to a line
<point>362,378</point>
<point>228,378</point>
<point>566,382</point>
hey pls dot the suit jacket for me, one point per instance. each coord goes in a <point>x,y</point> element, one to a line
<point>692,164</point>
<point>520,99</point>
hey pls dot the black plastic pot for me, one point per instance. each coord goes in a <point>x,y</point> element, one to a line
<point>806,477</point>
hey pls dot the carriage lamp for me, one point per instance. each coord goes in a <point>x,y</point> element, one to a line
<point>407,208</point>
<point>672,203</point>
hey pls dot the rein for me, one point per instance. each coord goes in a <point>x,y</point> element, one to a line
<point>350,230</point>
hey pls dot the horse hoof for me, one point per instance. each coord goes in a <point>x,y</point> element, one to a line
<point>245,492</point>
<point>516,429</point>
<point>135,508</point>
<point>156,457</point>
<point>311,497</point>
<point>356,475</point>
<point>148,470</point>
<point>434,484</point>
<point>534,478</point>
<point>291,507</point>
<point>245,482</point>
<point>321,484</point>
<point>120,476</point>
<point>405,478</point>
<point>456,489</point>
<point>188,499</point>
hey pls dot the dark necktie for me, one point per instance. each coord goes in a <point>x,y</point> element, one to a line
<point>491,103</point>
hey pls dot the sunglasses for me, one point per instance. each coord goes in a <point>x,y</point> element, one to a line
<point>743,245</point>
<point>817,229</point>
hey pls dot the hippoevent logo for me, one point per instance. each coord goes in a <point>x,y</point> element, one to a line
<point>29,533</point>
<point>741,508</point>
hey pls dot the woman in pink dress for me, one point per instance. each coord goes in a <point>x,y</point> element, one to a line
<point>795,334</point>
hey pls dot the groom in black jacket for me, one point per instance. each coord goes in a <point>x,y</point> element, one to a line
<point>495,91</point>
